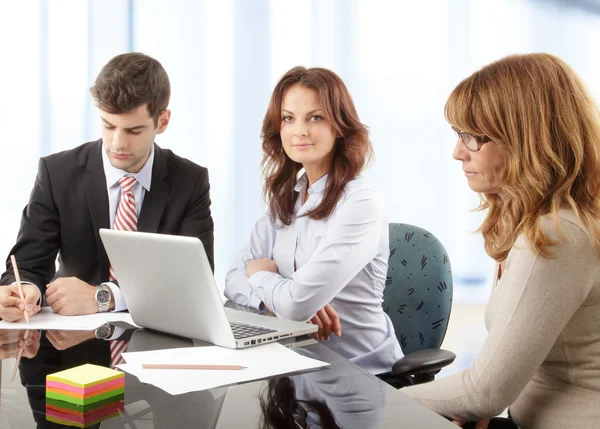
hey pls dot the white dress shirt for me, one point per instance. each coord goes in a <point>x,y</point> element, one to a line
<point>144,180</point>
<point>341,260</point>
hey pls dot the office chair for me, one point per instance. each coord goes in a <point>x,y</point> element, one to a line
<point>418,300</point>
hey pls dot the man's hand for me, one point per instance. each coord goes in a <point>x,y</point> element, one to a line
<point>62,340</point>
<point>70,296</point>
<point>11,341</point>
<point>256,265</point>
<point>11,306</point>
<point>328,321</point>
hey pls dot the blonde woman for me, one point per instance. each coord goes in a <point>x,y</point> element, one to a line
<point>529,143</point>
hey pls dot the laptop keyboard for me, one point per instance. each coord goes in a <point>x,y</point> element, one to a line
<point>245,331</point>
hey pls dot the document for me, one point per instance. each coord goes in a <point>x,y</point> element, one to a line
<point>47,319</point>
<point>261,362</point>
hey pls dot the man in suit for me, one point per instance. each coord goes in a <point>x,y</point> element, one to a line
<point>122,181</point>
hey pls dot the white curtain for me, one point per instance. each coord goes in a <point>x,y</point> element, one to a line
<point>400,61</point>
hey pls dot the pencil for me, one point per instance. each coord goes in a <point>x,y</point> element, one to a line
<point>19,285</point>
<point>19,355</point>
<point>189,366</point>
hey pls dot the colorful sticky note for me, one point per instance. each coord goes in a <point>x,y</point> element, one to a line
<point>66,416</point>
<point>85,376</point>
<point>85,385</point>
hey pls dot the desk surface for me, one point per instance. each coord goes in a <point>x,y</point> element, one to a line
<point>355,398</point>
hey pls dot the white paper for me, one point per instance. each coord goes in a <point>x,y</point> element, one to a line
<point>262,361</point>
<point>47,319</point>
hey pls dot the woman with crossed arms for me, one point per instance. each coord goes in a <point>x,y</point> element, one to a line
<point>321,252</point>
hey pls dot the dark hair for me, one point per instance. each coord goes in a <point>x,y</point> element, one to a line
<point>129,81</point>
<point>279,407</point>
<point>352,151</point>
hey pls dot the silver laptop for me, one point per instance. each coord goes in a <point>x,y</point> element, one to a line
<point>169,287</point>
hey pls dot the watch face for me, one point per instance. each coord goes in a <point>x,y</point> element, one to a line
<point>103,296</point>
<point>103,332</point>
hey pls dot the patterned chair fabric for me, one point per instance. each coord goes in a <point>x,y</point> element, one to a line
<point>418,293</point>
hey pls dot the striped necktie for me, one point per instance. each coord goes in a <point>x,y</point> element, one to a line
<point>125,220</point>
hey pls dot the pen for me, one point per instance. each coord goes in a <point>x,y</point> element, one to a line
<point>19,285</point>
<point>189,366</point>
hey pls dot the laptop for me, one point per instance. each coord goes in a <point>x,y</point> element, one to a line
<point>169,287</point>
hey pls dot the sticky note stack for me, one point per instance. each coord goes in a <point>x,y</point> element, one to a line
<point>84,395</point>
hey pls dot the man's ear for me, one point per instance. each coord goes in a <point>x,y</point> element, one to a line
<point>163,121</point>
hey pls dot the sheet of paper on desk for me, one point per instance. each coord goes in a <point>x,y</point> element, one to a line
<point>262,361</point>
<point>47,319</point>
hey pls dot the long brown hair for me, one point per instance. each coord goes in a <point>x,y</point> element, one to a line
<point>279,406</point>
<point>353,150</point>
<point>539,113</point>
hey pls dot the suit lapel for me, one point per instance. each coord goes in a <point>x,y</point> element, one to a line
<point>155,201</point>
<point>97,199</point>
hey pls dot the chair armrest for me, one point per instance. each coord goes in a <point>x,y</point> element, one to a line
<point>423,361</point>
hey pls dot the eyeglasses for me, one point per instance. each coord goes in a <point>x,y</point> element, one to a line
<point>472,142</point>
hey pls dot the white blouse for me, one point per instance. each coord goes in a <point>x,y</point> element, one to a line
<point>341,260</point>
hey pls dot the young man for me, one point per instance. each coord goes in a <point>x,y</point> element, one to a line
<point>122,181</point>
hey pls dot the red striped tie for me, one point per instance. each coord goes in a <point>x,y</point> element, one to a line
<point>125,220</point>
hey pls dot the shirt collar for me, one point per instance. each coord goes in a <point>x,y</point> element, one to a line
<point>113,175</point>
<point>302,182</point>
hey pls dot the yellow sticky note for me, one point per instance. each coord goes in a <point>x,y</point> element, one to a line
<point>85,375</point>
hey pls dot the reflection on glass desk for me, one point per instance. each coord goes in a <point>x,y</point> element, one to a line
<point>344,394</point>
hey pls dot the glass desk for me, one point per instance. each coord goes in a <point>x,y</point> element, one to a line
<point>354,398</point>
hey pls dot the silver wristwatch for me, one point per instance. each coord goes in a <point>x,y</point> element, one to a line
<point>102,298</point>
<point>103,332</point>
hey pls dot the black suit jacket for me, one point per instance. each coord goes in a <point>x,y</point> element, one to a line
<point>69,204</point>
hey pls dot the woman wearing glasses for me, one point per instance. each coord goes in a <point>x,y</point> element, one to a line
<point>529,143</point>
<point>322,250</point>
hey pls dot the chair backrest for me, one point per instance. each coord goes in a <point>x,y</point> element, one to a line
<point>418,293</point>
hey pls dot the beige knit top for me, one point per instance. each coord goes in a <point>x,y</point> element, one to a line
<point>542,354</point>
